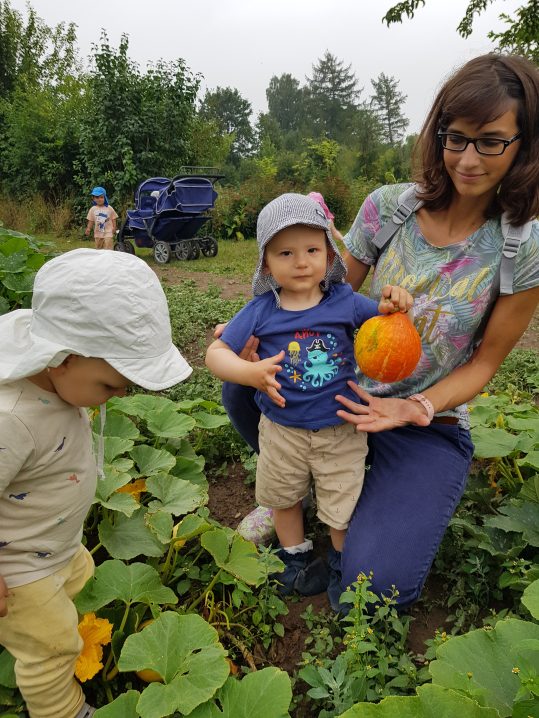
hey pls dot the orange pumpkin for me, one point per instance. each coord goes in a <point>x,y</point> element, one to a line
<point>387,348</point>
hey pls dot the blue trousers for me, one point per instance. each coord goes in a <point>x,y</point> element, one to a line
<point>416,478</point>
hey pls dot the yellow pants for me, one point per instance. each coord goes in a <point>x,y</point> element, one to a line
<point>40,631</point>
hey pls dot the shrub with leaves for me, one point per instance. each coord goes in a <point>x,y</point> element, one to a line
<point>20,259</point>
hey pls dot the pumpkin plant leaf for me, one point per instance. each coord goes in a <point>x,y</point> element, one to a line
<point>133,583</point>
<point>264,694</point>
<point>151,461</point>
<point>141,405</point>
<point>129,536</point>
<point>520,516</point>
<point>530,599</point>
<point>114,446</point>
<point>186,652</point>
<point>431,702</point>
<point>234,554</point>
<point>210,421</point>
<point>531,459</point>
<point>7,670</point>
<point>125,706</point>
<point>168,422</point>
<point>191,526</point>
<point>175,495</point>
<point>490,443</point>
<point>190,470</point>
<point>160,524</point>
<point>480,663</point>
<point>116,425</point>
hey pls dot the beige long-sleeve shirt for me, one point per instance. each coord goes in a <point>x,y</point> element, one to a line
<point>47,481</point>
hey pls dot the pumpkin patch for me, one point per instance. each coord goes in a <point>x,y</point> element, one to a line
<point>387,348</point>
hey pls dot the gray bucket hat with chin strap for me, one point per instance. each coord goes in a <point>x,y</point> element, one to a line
<point>285,211</point>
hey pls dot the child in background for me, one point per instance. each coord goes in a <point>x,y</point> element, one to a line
<point>99,322</point>
<point>102,217</point>
<point>304,316</point>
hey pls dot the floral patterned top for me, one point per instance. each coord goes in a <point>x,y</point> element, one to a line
<point>453,286</point>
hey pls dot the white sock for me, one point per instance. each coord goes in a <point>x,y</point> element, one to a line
<point>307,545</point>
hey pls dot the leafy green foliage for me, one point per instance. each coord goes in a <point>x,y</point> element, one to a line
<point>154,477</point>
<point>373,662</point>
<point>387,101</point>
<point>519,38</point>
<point>231,114</point>
<point>122,107</point>
<point>20,259</point>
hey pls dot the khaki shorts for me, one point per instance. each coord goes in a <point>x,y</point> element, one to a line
<point>291,460</point>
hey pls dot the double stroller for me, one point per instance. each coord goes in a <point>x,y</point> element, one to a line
<point>168,215</point>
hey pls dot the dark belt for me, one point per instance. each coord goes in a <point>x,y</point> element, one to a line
<point>444,420</point>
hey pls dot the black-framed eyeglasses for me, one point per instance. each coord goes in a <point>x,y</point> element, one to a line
<point>454,142</point>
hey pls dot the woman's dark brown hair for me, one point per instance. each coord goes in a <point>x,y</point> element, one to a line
<point>479,92</point>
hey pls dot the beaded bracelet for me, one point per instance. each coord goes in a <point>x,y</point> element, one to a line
<point>424,402</point>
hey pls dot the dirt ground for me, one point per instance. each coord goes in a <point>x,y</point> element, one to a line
<point>231,499</point>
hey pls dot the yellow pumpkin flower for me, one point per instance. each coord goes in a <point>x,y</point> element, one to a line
<point>135,488</point>
<point>96,633</point>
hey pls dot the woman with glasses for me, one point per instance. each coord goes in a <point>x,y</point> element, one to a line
<point>477,157</point>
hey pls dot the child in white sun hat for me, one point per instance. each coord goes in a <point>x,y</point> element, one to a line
<point>99,322</point>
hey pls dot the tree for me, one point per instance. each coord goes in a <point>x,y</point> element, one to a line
<point>32,52</point>
<point>134,124</point>
<point>366,135</point>
<point>521,36</point>
<point>334,95</point>
<point>287,102</point>
<point>231,113</point>
<point>387,102</point>
<point>40,93</point>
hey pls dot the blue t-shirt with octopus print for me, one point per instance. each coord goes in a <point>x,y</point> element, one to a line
<point>319,354</point>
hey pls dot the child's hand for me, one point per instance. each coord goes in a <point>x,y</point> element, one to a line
<point>3,597</point>
<point>395,299</point>
<point>262,377</point>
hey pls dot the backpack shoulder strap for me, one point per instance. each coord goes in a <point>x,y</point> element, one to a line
<point>513,238</point>
<point>407,203</point>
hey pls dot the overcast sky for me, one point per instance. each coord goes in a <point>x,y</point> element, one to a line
<point>243,43</point>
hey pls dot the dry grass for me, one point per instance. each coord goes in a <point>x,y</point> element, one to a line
<point>36,216</point>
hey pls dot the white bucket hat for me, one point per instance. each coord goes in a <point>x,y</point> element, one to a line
<point>285,211</point>
<point>94,303</point>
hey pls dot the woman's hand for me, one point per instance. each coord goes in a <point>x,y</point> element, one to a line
<point>395,299</point>
<point>249,351</point>
<point>379,414</point>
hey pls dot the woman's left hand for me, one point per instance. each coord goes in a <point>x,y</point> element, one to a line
<point>379,414</point>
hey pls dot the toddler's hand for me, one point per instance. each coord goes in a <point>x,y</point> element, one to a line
<point>3,597</point>
<point>262,377</point>
<point>87,232</point>
<point>395,299</point>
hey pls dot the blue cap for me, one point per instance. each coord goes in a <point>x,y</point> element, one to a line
<point>100,192</point>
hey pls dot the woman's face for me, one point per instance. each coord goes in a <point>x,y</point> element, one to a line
<point>475,175</point>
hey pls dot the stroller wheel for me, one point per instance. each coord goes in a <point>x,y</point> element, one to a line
<point>161,252</point>
<point>209,246</point>
<point>194,249</point>
<point>183,249</point>
<point>124,246</point>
